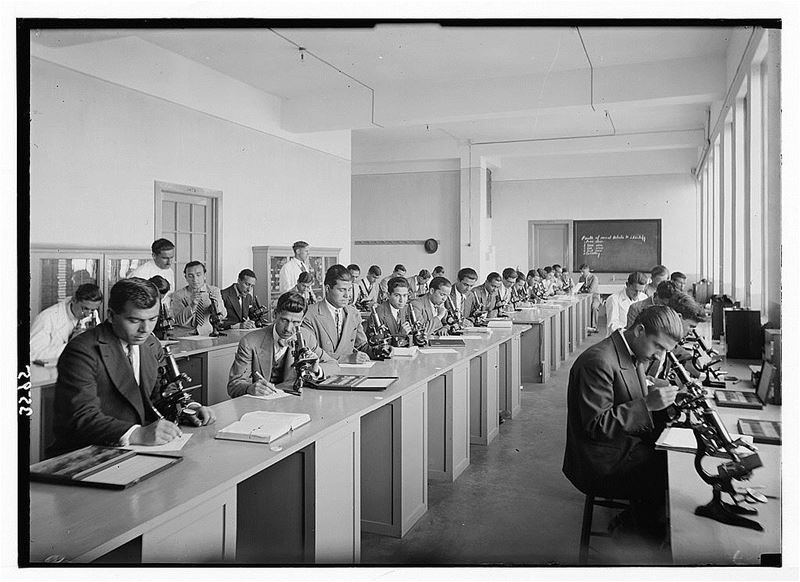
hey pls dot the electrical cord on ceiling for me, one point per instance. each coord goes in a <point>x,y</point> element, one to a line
<point>591,69</point>
<point>544,82</point>
<point>304,51</point>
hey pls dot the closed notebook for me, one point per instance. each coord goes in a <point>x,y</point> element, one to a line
<point>682,440</point>
<point>263,426</point>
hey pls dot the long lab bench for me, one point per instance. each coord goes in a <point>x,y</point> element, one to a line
<point>362,463</point>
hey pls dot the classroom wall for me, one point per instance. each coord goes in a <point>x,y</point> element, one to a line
<point>97,148</point>
<point>406,206</point>
<point>669,197</point>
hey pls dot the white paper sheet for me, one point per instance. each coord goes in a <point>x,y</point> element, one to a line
<point>274,396</point>
<point>170,447</point>
<point>357,366</point>
<point>196,338</point>
<point>437,351</point>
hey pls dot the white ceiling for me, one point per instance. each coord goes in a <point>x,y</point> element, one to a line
<point>417,69</point>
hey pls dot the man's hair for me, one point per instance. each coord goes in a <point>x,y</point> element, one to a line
<point>191,264</point>
<point>583,266</point>
<point>438,269</point>
<point>660,319</point>
<point>532,273</point>
<point>141,292</point>
<point>161,244</point>
<point>556,266</point>
<point>520,275</point>
<point>396,282</point>
<point>542,274</point>
<point>424,274</point>
<point>301,244</point>
<point>375,270</point>
<point>685,305</point>
<point>467,272</point>
<point>659,271</point>
<point>161,284</point>
<point>399,267</point>
<point>677,275</point>
<point>246,273</point>
<point>637,278</point>
<point>305,277</point>
<point>88,292</point>
<point>337,273</point>
<point>439,282</point>
<point>353,267</point>
<point>493,276</point>
<point>665,290</point>
<point>292,302</point>
<point>509,272</point>
<point>548,269</point>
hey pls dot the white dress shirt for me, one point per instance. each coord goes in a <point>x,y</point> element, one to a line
<point>150,269</point>
<point>617,306</point>
<point>51,329</point>
<point>289,274</point>
<point>278,351</point>
<point>125,439</point>
<point>459,301</point>
<point>395,313</point>
<point>334,311</point>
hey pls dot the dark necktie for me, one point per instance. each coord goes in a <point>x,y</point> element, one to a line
<point>640,372</point>
<point>131,361</point>
<point>338,321</point>
<point>244,307</point>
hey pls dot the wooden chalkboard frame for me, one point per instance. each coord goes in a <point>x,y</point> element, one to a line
<point>576,246</point>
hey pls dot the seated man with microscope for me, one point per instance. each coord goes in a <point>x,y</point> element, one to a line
<point>482,301</point>
<point>108,378</point>
<point>265,358</point>
<point>59,323</point>
<point>393,313</point>
<point>430,309</point>
<point>238,298</point>
<point>196,306</point>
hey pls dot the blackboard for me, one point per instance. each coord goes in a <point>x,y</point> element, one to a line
<point>617,246</point>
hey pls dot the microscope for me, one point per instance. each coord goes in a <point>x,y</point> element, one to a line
<point>258,313</point>
<point>304,360</point>
<point>171,397</point>
<point>693,410</point>
<point>417,336</point>
<point>378,336</point>
<point>705,359</point>
<point>165,323</point>
<point>451,320</point>
<point>214,318</point>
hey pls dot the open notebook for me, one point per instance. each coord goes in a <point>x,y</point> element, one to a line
<point>263,426</point>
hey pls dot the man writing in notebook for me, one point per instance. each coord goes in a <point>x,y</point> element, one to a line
<point>335,324</point>
<point>611,417</point>
<point>107,377</point>
<point>265,358</point>
<point>238,298</point>
<point>366,292</point>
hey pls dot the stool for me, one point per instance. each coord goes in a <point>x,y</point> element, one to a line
<point>586,526</point>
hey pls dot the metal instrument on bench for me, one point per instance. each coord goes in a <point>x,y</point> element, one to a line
<point>378,336</point>
<point>171,398</point>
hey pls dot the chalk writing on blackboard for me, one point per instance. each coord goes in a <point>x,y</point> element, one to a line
<point>594,245</point>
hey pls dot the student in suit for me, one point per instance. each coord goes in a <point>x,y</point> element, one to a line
<point>520,291</point>
<point>335,324</point>
<point>549,282</point>
<point>292,268</point>
<point>692,314</point>
<point>191,305</point>
<point>355,273</point>
<point>610,415</point>
<point>617,305</point>
<point>265,358</point>
<point>418,284</point>
<point>438,271</point>
<point>591,285</point>
<point>367,290</point>
<point>666,289</point>
<point>237,299</point>
<point>508,281</point>
<point>483,299</point>
<point>304,287</point>
<point>430,309</point>
<point>107,377</point>
<point>658,274</point>
<point>466,279</point>
<point>535,286</point>
<point>679,279</point>
<point>393,312</point>
<point>399,271</point>
<point>58,324</point>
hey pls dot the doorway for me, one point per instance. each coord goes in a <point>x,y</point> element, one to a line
<point>549,243</point>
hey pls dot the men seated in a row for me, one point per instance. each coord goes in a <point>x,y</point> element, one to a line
<point>466,280</point>
<point>367,291</point>
<point>108,377</point>
<point>482,301</point>
<point>658,274</point>
<point>617,305</point>
<point>265,358</point>
<point>335,323</point>
<point>291,269</point>
<point>238,299</point>
<point>56,325</point>
<point>418,284</point>
<point>163,251</point>
<point>192,305</point>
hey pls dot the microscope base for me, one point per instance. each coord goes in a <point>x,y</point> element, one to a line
<point>727,513</point>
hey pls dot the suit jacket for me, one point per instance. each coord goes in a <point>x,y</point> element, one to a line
<point>423,307</point>
<point>185,321</point>
<point>636,308</point>
<point>459,308</point>
<point>415,287</point>
<point>255,354</point>
<point>96,396</point>
<point>384,311</point>
<point>233,305</point>
<point>319,322</point>
<point>606,414</point>
<point>479,300</point>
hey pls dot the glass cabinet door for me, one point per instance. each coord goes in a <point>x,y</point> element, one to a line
<point>121,265</point>
<point>56,276</point>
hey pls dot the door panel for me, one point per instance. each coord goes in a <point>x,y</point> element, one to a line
<point>550,244</point>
